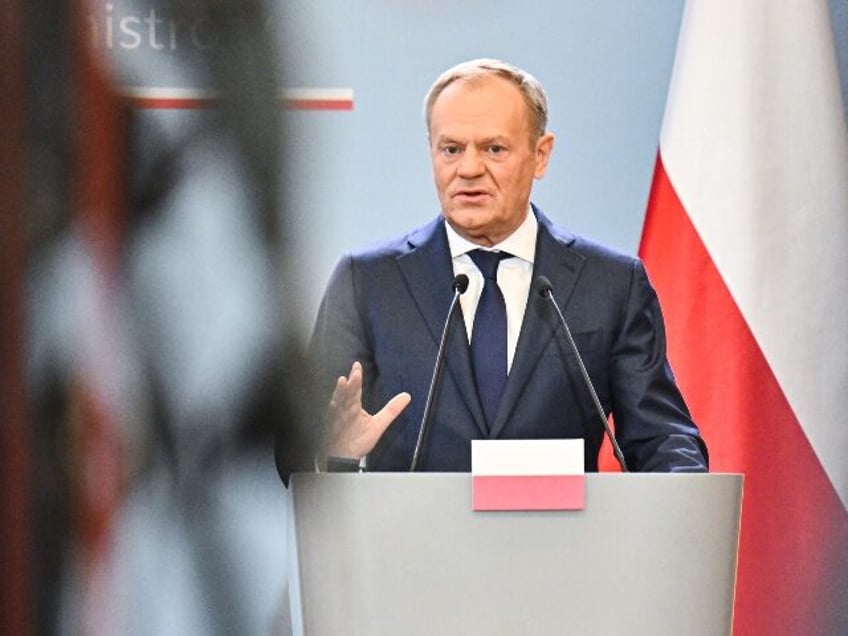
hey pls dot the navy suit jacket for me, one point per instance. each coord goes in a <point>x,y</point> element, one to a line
<point>386,307</point>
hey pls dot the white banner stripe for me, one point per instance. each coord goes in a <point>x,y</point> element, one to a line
<point>496,457</point>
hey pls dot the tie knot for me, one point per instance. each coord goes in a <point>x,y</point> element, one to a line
<point>487,262</point>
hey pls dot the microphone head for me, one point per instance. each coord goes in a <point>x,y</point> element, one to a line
<point>460,283</point>
<point>543,285</point>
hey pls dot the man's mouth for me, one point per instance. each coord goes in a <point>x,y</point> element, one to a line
<point>470,195</point>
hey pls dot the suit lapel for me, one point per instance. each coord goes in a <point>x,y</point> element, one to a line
<point>562,266</point>
<point>428,272</point>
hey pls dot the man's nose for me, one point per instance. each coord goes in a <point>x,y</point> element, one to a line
<point>471,164</point>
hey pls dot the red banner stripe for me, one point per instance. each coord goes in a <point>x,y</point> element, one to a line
<point>793,556</point>
<point>184,100</point>
<point>529,492</point>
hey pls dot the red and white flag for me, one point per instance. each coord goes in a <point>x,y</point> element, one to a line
<point>527,474</point>
<point>746,241</point>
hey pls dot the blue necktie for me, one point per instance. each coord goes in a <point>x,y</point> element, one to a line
<point>488,338</point>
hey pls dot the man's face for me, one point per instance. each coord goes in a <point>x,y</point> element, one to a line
<point>485,157</point>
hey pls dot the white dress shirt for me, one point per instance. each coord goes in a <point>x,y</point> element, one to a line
<point>514,276</point>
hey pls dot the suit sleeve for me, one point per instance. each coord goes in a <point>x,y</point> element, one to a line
<point>339,337</point>
<point>337,340</point>
<point>653,424</point>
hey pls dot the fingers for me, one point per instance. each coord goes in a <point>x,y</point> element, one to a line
<point>354,381</point>
<point>353,431</point>
<point>346,400</point>
<point>355,435</point>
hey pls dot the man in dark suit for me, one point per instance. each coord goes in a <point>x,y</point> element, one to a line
<point>381,319</point>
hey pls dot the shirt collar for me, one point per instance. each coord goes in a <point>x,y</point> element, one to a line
<point>521,243</point>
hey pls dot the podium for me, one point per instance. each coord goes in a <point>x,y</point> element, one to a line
<point>395,553</point>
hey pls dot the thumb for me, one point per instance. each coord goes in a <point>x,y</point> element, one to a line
<point>389,413</point>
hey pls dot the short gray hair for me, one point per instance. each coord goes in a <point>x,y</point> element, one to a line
<point>531,89</point>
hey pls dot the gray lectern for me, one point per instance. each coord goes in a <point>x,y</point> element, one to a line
<point>403,554</point>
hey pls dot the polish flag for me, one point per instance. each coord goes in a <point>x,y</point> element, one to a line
<point>527,474</point>
<point>746,241</point>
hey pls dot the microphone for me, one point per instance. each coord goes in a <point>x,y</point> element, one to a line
<point>460,284</point>
<point>546,291</point>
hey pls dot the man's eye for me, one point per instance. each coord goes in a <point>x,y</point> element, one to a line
<point>495,149</point>
<point>450,150</point>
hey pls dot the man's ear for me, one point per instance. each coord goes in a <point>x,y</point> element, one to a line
<point>543,150</point>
